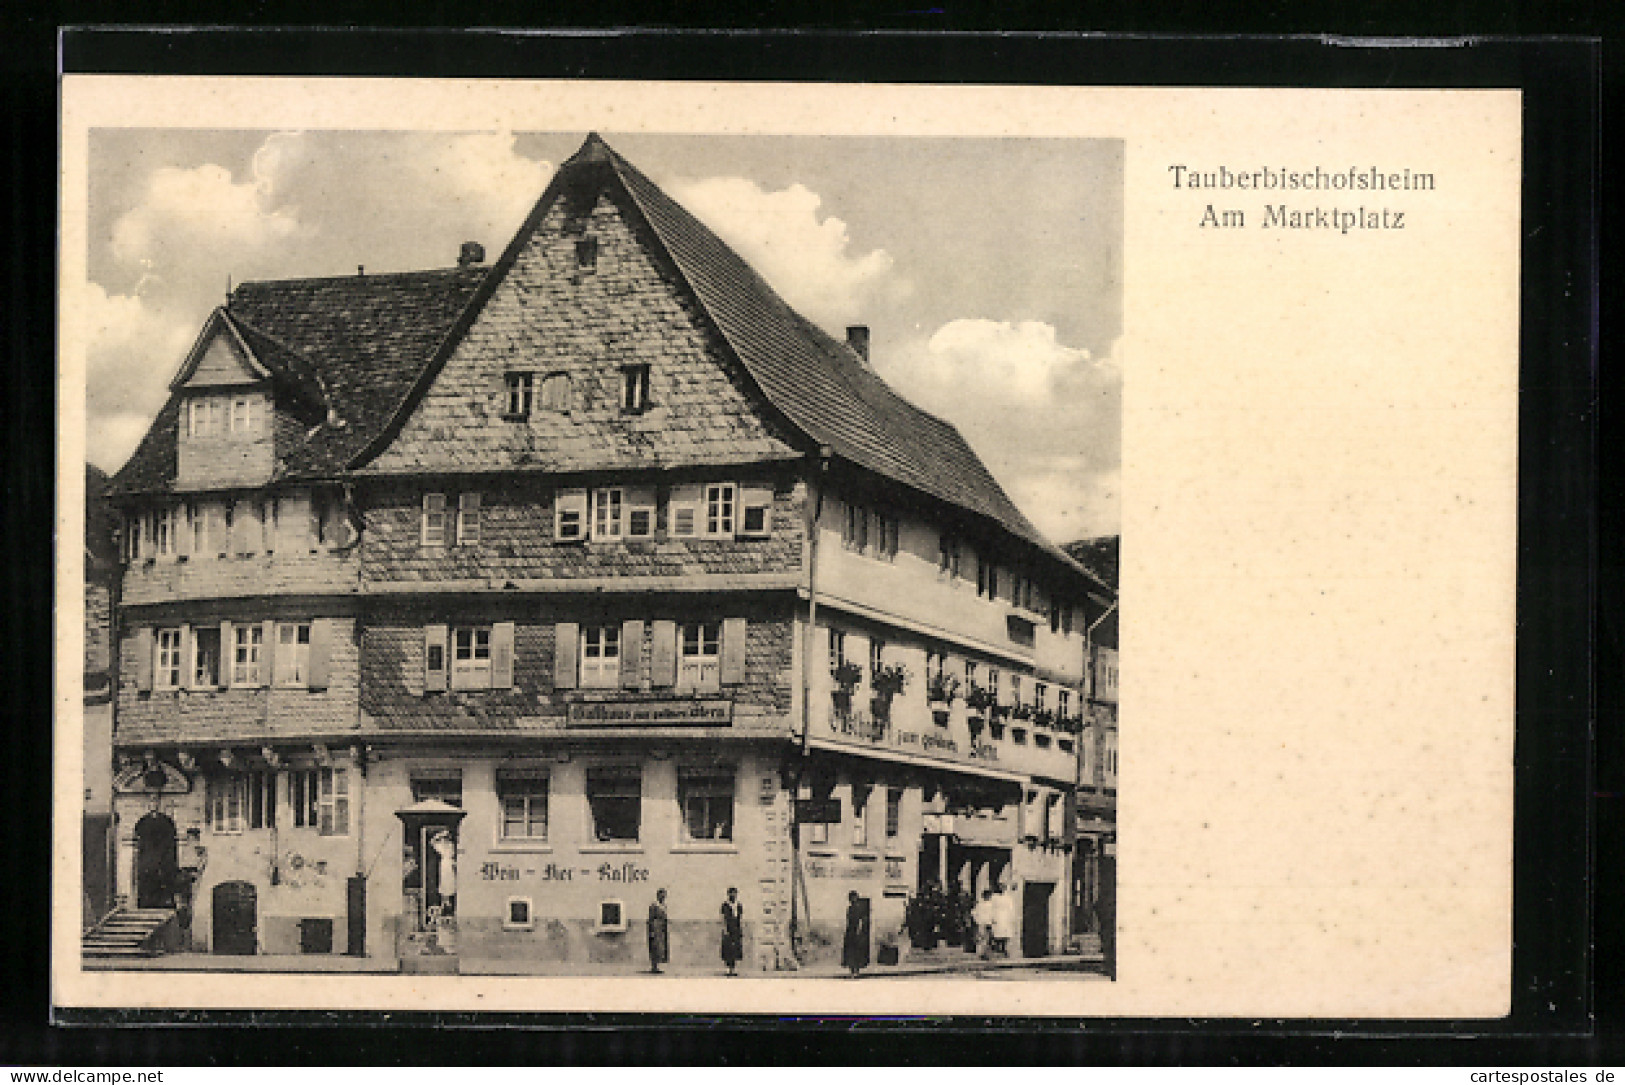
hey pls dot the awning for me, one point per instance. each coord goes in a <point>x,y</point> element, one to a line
<point>881,754</point>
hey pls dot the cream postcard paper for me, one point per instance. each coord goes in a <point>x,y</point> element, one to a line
<point>1317,367</point>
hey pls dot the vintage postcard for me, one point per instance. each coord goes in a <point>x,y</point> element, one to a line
<point>567,546</point>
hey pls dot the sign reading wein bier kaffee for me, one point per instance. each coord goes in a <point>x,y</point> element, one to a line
<point>650,714</point>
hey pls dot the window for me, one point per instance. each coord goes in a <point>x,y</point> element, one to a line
<point>855,531</point>
<point>295,522</point>
<point>719,509</point>
<point>756,510</point>
<point>320,798</point>
<point>948,556</point>
<point>164,532</point>
<point>601,656</point>
<point>433,531</point>
<point>611,916</point>
<point>634,388</point>
<point>166,672</point>
<point>615,801</point>
<point>970,674</point>
<point>523,797</point>
<point>203,417</point>
<point>518,915</point>
<point>707,800</point>
<point>701,651</point>
<point>877,655</point>
<point>607,513</point>
<point>262,800</point>
<point>821,787</point>
<point>894,812</point>
<point>444,787</point>
<point>570,515</point>
<point>886,535</point>
<point>1066,619</point>
<point>1041,696</point>
<point>292,653</point>
<point>555,392</point>
<point>205,656</point>
<point>247,641</point>
<point>211,529</point>
<point>268,524</point>
<point>640,513</point>
<point>516,396</point>
<point>468,519</point>
<point>837,649</point>
<point>683,509</point>
<point>471,657</point>
<point>1063,703</point>
<point>223,804</point>
<point>993,684</point>
<point>860,815</point>
<point>1015,689</point>
<point>587,253</point>
<point>1055,616</point>
<point>244,415</point>
<point>132,537</point>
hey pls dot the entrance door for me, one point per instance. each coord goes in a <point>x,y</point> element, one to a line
<point>155,865</point>
<point>1035,918</point>
<point>235,919</point>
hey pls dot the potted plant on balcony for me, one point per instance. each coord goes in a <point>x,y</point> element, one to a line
<point>941,691</point>
<point>1043,717</point>
<point>846,677</point>
<point>887,682</point>
<point>1022,712</point>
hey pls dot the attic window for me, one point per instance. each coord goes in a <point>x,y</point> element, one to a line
<point>517,397</point>
<point>587,253</point>
<point>634,388</point>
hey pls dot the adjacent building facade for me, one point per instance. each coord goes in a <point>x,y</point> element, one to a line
<point>464,609</point>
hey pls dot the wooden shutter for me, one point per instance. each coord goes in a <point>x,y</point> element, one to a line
<point>222,667</point>
<point>570,501</point>
<point>434,679</point>
<point>268,655</point>
<point>566,641</point>
<point>502,655</point>
<point>755,496</point>
<point>733,651</point>
<point>663,651</point>
<point>143,659</point>
<point>677,524</point>
<point>631,654</point>
<point>321,636</point>
<point>434,510</point>
<point>188,658</point>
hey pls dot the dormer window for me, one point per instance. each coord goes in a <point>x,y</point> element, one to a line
<point>246,412</point>
<point>587,253</point>
<point>203,417</point>
<point>634,388</point>
<point>517,397</point>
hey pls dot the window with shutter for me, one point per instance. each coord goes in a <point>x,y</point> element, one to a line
<point>433,529</point>
<point>683,510</point>
<point>471,657</point>
<point>205,657</point>
<point>720,509</point>
<point>434,658</point>
<point>755,510</point>
<point>247,642</point>
<point>608,513</point>
<point>640,512</point>
<point>292,653</point>
<point>699,648</point>
<point>167,667</point>
<point>600,656</point>
<point>468,519</point>
<point>570,515</point>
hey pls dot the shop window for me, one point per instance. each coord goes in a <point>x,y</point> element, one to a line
<point>570,515</point>
<point>320,798</point>
<point>607,513</point>
<point>700,664</point>
<point>432,528</point>
<point>706,796</point>
<point>518,916</point>
<point>720,500</point>
<point>247,642</point>
<point>634,388</point>
<point>292,653</point>
<point>523,797</point>
<point>516,398</point>
<point>471,657</point>
<point>615,801</point>
<point>894,812</point>
<point>468,519</point>
<point>205,657</point>
<point>600,656</point>
<point>166,673</point>
<point>440,787</point>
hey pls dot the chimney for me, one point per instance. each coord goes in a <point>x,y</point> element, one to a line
<point>472,253</point>
<point>857,337</point>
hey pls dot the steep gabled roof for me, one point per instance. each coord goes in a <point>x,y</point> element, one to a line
<point>815,382</point>
<point>348,347</point>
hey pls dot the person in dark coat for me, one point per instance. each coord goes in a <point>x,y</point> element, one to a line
<point>733,931</point>
<point>855,948</point>
<point>659,929</point>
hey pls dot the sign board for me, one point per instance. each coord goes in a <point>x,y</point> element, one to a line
<point>683,713</point>
<point>818,811</point>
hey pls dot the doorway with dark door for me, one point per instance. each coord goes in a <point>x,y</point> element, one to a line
<point>1035,899</point>
<point>235,919</point>
<point>156,868</point>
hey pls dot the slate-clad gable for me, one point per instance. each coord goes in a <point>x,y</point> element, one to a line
<point>551,316</point>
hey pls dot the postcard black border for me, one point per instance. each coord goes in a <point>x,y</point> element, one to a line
<point>1558,524</point>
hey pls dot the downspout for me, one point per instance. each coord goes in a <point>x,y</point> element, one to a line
<point>815,511</point>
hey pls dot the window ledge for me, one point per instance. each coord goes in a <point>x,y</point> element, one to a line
<point>821,852</point>
<point>611,849</point>
<point>515,848</point>
<point>694,848</point>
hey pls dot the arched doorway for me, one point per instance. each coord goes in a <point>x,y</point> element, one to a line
<point>155,864</point>
<point>236,919</point>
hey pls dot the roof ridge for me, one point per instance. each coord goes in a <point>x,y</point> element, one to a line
<point>371,275</point>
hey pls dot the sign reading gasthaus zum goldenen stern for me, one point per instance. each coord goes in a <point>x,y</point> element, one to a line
<point>651,713</point>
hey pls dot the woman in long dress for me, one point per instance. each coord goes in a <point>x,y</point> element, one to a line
<point>659,930</point>
<point>733,931</point>
<point>855,947</point>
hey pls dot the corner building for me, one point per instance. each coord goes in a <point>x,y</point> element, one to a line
<point>464,609</point>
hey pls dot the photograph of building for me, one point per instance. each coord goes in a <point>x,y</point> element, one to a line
<point>462,610</point>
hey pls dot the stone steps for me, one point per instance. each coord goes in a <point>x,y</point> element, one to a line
<point>125,933</point>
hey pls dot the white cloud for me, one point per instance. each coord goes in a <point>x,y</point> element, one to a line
<point>994,363</point>
<point>1070,504</point>
<point>131,351</point>
<point>807,259</point>
<point>197,213</point>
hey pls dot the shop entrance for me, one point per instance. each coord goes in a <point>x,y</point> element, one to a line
<point>155,863</point>
<point>1035,899</point>
<point>236,919</point>
<point>429,874</point>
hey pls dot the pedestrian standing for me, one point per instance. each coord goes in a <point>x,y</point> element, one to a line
<point>981,918</point>
<point>733,931</point>
<point>855,947</point>
<point>1004,919</point>
<point>659,932</point>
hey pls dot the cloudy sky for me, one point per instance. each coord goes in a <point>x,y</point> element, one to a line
<point>988,270</point>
